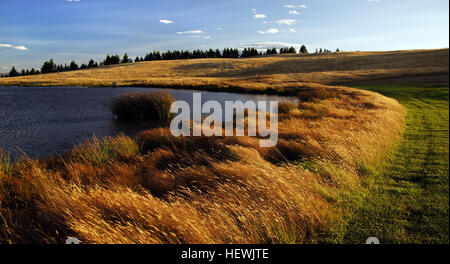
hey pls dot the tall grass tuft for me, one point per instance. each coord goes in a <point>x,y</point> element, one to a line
<point>98,152</point>
<point>286,107</point>
<point>315,94</point>
<point>6,165</point>
<point>139,106</point>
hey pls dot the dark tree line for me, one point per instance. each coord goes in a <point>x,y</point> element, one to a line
<point>325,50</point>
<point>50,66</point>
<point>195,54</point>
<point>288,50</point>
<point>110,60</point>
<point>13,72</point>
<point>250,52</point>
<point>272,51</point>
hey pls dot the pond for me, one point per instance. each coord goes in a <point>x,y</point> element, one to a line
<point>40,121</point>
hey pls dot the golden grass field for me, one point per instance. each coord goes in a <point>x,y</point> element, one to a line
<point>285,73</point>
<point>160,189</point>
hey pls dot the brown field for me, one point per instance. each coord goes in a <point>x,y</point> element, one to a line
<point>160,189</point>
<point>284,73</point>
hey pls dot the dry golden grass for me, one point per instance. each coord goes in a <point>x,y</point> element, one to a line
<point>283,73</point>
<point>161,189</point>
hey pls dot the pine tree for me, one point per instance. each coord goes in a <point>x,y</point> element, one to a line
<point>115,59</point>
<point>73,66</point>
<point>91,63</point>
<point>211,53</point>
<point>49,66</point>
<point>125,58</point>
<point>303,49</point>
<point>107,61</point>
<point>272,51</point>
<point>218,55</point>
<point>13,72</point>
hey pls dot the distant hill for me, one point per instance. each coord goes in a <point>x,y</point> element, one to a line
<point>280,72</point>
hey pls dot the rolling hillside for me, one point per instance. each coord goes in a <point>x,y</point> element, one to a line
<point>284,73</point>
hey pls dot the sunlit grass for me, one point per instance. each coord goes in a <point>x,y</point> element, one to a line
<point>282,74</point>
<point>139,106</point>
<point>161,189</point>
<point>95,151</point>
<point>327,180</point>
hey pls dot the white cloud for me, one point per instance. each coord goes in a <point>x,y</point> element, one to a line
<point>269,31</point>
<point>191,32</point>
<point>20,48</point>
<point>374,0</point>
<point>295,6</point>
<point>288,22</point>
<point>292,30</point>
<point>13,47</point>
<point>73,1</point>
<point>294,12</point>
<point>258,16</point>
<point>203,37</point>
<point>165,21</point>
<point>269,45</point>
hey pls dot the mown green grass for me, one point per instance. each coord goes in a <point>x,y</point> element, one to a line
<point>406,200</point>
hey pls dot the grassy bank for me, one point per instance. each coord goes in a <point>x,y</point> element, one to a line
<point>406,200</point>
<point>157,188</point>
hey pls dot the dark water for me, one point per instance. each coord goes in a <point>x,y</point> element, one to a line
<point>40,121</point>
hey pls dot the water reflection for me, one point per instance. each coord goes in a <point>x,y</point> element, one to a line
<point>40,121</point>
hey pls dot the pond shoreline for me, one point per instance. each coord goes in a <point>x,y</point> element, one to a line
<point>45,121</point>
<point>207,88</point>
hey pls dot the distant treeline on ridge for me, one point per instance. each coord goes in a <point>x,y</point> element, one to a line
<point>50,66</point>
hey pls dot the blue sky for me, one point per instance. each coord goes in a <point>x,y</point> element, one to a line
<point>34,31</point>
